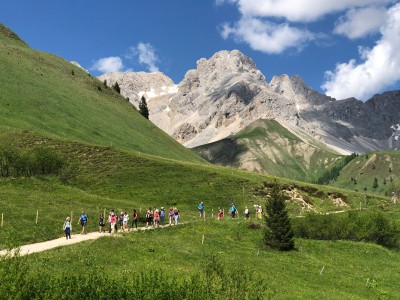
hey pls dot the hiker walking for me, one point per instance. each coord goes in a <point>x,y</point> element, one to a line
<point>232,210</point>
<point>121,221</point>
<point>220,213</point>
<point>176,215</point>
<point>162,215</point>
<point>83,220</point>
<point>201,209</point>
<point>156,218</point>
<point>171,215</point>
<point>135,218</point>
<point>113,222</point>
<point>101,223</point>
<point>67,228</point>
<point>125,221</point>
<point>149,217</point>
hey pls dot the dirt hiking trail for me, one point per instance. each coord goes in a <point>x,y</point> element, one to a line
<point>75,238</point>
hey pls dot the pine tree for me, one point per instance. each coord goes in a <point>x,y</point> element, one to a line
<point>143,108</point>
<point>117,88</point>
<point>375,185</point>
<point>279,234</point>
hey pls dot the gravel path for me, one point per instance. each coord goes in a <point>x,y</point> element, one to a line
<point>75,238</point>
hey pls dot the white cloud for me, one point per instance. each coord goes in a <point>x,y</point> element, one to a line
<point>358,23</point>
<point>267,25</point>
<point>298,10</point>
<point>380,65</point>
<point>266,36</point>
<point>146,55</point>
<point>108,64</point>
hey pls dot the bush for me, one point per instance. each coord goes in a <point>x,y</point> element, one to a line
<point>353,226</point>
<point>39,161</point>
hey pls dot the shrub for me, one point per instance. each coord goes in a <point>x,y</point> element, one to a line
<point>354,226</point>
<point>39,161</point>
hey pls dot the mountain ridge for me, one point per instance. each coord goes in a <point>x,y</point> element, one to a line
<point>227,92</point>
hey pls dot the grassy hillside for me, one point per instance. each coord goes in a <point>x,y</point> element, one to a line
<point>44,93</point>
<point>317,270</point>
<point>267,147</point>
<point>381,167</point>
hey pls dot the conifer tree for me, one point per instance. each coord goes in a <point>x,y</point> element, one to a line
<point>117,88</point>
<point>143,108</point>
<point>278,234</point>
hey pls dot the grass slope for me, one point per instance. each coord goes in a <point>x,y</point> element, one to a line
<point>317,270</point>
<point>382,165</point>
<point>42,92</point>
<point>267,147</point>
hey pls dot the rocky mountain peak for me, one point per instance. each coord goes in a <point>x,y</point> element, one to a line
<point>222,71</point>
<point>233,61</point>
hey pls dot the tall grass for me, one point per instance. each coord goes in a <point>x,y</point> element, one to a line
<point>212,282</point>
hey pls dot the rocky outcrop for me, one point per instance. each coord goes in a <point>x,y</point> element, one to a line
<point>134,85</point>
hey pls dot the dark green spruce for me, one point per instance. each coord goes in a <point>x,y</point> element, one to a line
<point>117,88</point>
<point>278,233</point>
<point>143,107</point>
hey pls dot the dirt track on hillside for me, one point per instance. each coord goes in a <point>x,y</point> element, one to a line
<point>75,238</point>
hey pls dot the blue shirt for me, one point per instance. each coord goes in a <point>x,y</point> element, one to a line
<point>84,218</point>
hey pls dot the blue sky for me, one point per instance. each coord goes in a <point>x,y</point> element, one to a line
<point>343,47</point>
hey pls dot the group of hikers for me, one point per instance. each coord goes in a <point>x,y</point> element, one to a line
<point>154,217</point>
<point>233,211</point>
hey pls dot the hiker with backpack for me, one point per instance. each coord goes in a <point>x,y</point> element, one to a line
<point>83,220</point>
